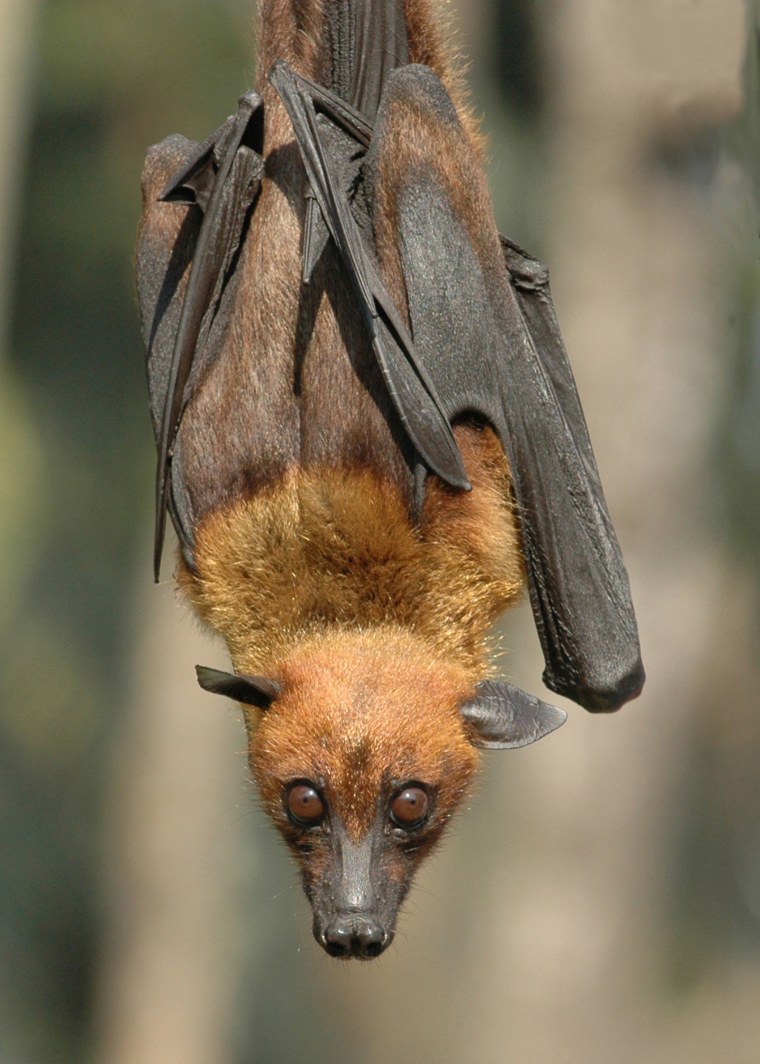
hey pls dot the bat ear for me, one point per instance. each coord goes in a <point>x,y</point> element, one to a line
<point>503,717</point>
<point>253,690</point>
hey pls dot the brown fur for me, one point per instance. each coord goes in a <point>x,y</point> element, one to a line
<point>430,43</point>
<point>297,469</point>
<point>374,628</point>
<point>295,382</point>
<point>293,30</point>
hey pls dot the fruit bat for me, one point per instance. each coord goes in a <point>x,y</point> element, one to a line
<point>369,442</point>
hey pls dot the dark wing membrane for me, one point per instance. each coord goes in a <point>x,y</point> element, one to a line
<point>496,353</point>
<point>367,39</point>
<point>221,178</point>
<point>165,246</point>
<point>327,139</point>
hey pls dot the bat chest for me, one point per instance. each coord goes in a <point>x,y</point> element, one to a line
<point>324,550</point>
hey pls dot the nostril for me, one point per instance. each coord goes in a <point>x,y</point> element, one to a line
<point>370,939</point>
<point>337,940</point>
<point>352,937</point>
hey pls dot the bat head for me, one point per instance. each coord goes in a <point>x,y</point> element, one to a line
<point>363,752</point>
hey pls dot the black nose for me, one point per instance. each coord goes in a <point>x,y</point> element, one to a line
<point>354,936</point>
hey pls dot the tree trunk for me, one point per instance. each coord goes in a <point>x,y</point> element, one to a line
<point>169,967</point>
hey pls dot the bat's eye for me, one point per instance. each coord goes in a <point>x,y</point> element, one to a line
<point>410,807</point>
<point>304,805</point>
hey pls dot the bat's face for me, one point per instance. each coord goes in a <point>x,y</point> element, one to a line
<point>360,768</point>
<point>363,751</point>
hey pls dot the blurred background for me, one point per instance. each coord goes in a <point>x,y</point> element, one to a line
<point>599,901</point>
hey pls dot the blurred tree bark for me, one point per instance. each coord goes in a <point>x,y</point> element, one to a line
<point>19,453</point>
<point>167,988</point>
<point>637,267</point>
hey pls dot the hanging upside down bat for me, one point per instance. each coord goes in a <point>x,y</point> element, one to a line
<point>369,441</point>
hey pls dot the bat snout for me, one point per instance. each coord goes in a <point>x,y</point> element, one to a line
<point>358,935</point>
<point>355,904</point>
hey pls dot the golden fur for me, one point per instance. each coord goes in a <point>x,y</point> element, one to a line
<point>328,550</point>
<point>374,628</point>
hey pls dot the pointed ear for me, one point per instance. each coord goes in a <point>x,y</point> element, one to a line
<point>253,690</point>
<point>503,717</point>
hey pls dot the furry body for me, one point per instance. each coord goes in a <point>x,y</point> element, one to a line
<point>353,586</point>
<point>298,474</point>
<point>295,383</point>
<point>313,558</point>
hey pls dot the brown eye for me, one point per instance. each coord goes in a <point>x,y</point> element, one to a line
<point>409,809</point>
<point>304,805</point>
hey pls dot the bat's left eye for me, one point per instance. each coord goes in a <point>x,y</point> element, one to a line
<point>410,807</point>
<point>304,805</point>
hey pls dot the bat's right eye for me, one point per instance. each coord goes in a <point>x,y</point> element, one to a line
<point>410,807</point>
<point>304,805</point>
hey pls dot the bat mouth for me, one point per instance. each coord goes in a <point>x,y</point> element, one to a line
<point>354,936</point>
